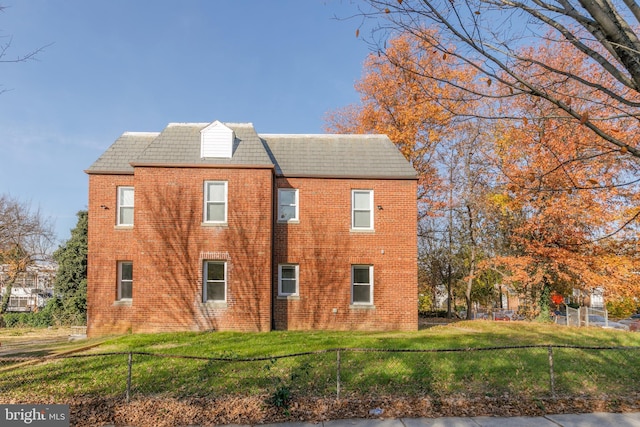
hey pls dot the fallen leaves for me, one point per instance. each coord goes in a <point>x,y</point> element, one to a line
<point>165,412</point>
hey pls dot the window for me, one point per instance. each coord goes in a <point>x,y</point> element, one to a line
<point>215,201</point>
<point>287,204</point>
<point>125,280</point>
<point>362,209</point>
<point>362,284</point>
<point>125,206</point>
<point>288,280</point>
<point>215,281</point>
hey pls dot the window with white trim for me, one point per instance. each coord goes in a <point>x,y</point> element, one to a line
<point>125,280</point>
<point>214,286</point>
<point>362,209</point>
<point>288,275</point>
<point>215,201</point>
<point>125,205</point>
<point>287,204</point>
<point>362,284</point>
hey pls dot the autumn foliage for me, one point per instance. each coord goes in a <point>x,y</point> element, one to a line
<point>416,113</point>
<point>553,204</point>
<point>569,198</point>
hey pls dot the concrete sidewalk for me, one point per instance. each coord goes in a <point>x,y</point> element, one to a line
<point>598,419</point>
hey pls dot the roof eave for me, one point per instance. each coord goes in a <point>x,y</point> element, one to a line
<point>326,176</point>
<point>202,165</point>
<point>107,172</point>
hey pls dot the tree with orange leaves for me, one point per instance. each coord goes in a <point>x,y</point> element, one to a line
<point>535,197</point>
<point>568,200</point>
<point>445,149</point>
<point>415,112</point>
<point>488,35</point>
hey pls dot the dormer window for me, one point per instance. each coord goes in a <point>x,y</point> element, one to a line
<point>216,140</point>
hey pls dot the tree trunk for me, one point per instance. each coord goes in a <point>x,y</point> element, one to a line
<point>467,293</point>
<point>450,238</point>
<point>449,291</point>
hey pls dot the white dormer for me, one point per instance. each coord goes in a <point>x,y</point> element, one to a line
<point>216,140</point>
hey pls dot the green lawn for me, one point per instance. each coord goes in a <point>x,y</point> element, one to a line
<point>456,335</point>
<point>492,371</point>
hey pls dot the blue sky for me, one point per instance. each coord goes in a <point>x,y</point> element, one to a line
<point>123,65</point>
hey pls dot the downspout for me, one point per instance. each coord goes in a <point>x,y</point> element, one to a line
<point>274,207</point>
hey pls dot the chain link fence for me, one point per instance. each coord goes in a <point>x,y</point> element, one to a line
<point>532,371</point>
<point>583,316</point>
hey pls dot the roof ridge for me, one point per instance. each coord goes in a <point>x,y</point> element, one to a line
<point>187,124</point>
<point>325,135</point>
<point>140,133</point>
<point>245,124</point>
<point>239,124</point>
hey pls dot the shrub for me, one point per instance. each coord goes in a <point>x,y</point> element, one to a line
<point>436,313</point>
<point>622,307</point>
<point>425,304</point>
<point>38,319</point>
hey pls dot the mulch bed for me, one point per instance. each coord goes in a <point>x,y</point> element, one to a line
<point>169,412</point>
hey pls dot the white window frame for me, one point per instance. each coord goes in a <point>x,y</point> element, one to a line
<point>295,204</point>
<point>207,201</point>
<point>297,279</point>
<point>354,210</point>
<point>354,284</point>
<point>121,281</point>
<point>122,205</point>
<point>205,281</point>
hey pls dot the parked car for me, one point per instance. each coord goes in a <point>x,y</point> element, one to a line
<point>600,321</point>
<point>504,315</point>
<point>633,322</point>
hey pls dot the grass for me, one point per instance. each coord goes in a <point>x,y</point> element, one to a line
<point>456,335</point>
<point>490,372</point>
<point>36,342</point>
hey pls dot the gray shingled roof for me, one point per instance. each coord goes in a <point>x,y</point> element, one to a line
<point>179,143</point>
<point>330,155</point>
<point>357,156</point>
<point>118,156</point>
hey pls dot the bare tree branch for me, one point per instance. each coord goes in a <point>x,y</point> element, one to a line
<point>26,237</point>
<point>478,33</point>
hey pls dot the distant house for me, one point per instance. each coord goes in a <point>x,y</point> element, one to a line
<point>212,226</point>
<point>31,290</point>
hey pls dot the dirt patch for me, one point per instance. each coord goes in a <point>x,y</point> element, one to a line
<point>166,412</point>
<point>23,341</point>
<point>430,322</point>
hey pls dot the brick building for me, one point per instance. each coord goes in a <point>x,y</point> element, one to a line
<point>31,289</point>
<point>215,227</point>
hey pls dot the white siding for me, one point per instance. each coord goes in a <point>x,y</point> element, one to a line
<point>216,141</point>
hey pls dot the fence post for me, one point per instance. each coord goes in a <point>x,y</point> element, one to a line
<point>338,374</point>
<point>129,365</point>
<point>552,379</point>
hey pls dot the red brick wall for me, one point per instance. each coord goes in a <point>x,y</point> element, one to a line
<point>168,244</point>
<point>107,243</point>
<point>325,248</point>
